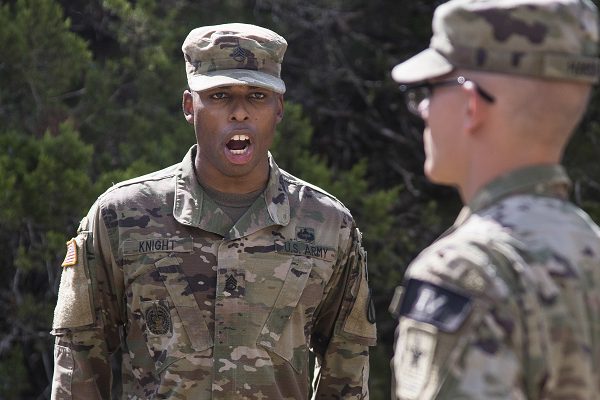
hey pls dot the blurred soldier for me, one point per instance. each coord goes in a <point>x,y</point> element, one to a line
<point>214,277</point>
<point>506,304</point>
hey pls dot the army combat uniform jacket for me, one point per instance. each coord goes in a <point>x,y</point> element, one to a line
<point>506,305</point>
<point>201,311</point>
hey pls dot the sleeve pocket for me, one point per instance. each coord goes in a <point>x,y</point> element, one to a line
<point>357,323</point>
<point>63,373</point>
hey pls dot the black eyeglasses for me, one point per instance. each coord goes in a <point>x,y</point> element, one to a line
<point>415,94</point>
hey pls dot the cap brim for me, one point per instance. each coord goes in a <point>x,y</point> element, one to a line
<point>231,77</point>
<point>426,65</point>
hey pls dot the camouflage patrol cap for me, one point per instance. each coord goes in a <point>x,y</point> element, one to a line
<point>552,39</point>
<point>234,54</point>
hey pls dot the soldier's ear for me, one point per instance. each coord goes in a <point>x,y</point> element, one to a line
<point>187,105</point>
<point>280,108</point>
<point>476,108</point>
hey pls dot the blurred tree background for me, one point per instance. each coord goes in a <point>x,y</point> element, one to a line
<point>90,94</point>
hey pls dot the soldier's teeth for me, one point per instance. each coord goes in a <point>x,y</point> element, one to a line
<point>240,137</point>
<point>238,151</point>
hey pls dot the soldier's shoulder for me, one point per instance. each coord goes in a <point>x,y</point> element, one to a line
<point>130,188</point>
<point>547,225</point>
<point>467,259</point>
<point>540,213</point>
<point>303,190</point>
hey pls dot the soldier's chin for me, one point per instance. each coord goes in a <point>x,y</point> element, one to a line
<point>239,157</point>
<point>431,172</point>
<point>437,175</point>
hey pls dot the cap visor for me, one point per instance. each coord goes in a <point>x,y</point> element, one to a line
<point>425,65</point>
<point>231,77</point>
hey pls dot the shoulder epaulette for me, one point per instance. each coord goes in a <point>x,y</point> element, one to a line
<point>152,176</point>
<point>297,181</point>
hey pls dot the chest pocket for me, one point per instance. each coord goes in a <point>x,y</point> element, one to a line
<point>284,331</point>
<point>171,320</point>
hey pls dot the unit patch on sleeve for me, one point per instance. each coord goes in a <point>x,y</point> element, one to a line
<point>435,305</point>
<point>71,256</point>
<point>412,362</point>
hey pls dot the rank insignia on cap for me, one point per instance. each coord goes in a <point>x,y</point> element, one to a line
<point>71,257</point>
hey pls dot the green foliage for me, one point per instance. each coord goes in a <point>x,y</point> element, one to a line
<point>131,109</point>
<point>38,175</point>
<point>35,47</point>
<point>60,173</point>
<point>45,187</point>
<point>15,162</point>
<point>12,371</point>
<point>581,160</point>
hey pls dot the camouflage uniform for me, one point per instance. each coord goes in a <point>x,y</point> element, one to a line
<point>203,311</point>
<point>550,39</point>
<point>506,304</point>
<point>512,287</point>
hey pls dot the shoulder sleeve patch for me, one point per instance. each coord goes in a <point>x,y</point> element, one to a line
<point>435,305</point>
<point>413,360</point>
<point>73,307</point>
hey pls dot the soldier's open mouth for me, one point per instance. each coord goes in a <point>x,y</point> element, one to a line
<point>238,144</point>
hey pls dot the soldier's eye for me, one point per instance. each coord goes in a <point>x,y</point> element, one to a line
<point>218,96</point>
<point>258,95</point>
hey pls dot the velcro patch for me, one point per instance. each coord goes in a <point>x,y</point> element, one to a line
<point>71,256</point>
<point>157,245</point>
<point>435,305</point>
<point>74,306</point>
<point>299,248</point>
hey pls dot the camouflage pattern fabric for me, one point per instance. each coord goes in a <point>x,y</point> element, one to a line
<point>506,305</point>
<point>546,39</point>
<point>202,311</point>
<point>234,54</point>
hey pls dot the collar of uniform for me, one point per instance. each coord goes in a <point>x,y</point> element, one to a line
<point>188,192</point>
<point>548,180</point>
<point>276,195</point>
<point>276,200</point>
<point>545,180</point>
<point>189,198</point>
